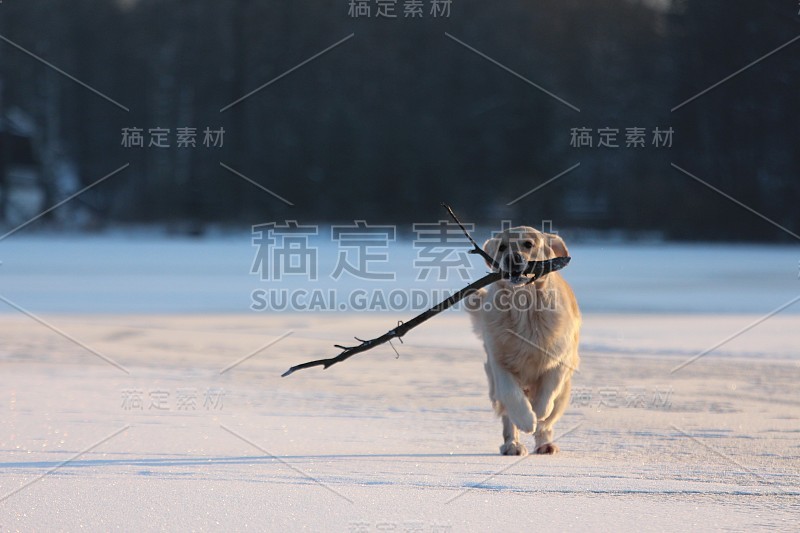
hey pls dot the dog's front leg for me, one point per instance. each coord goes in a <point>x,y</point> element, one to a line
<point>549,404</point>
<point>513,402</point>
<point>550,385</point>
<point>511,444</point>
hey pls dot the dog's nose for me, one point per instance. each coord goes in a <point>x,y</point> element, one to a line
<point>513,259</point>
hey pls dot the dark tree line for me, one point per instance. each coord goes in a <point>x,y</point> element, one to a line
<point>400,117</point>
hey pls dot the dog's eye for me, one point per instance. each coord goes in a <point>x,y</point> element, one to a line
<point>502,248</point>
<point>528,245</point>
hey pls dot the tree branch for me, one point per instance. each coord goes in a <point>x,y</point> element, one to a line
<point>537,268</point>
<point>401,329</point>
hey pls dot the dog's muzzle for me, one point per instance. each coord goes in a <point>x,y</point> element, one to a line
<point>513,268</point>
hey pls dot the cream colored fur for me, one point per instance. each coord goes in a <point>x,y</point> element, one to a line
<point>531,342</point>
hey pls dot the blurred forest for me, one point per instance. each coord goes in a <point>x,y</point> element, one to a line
<point>400,117</point>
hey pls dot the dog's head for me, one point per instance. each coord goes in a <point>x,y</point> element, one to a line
<point>514,247</point>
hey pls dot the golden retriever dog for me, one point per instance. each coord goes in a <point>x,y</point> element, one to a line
<point>530,332</point>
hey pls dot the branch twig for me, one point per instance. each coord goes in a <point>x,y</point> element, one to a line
<point>475,248</point>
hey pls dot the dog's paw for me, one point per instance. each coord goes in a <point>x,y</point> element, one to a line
<point>513,448</point>
<point>547,449</point>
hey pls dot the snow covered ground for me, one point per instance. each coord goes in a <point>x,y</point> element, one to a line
<point>141,273</point>
<point>140,392</point>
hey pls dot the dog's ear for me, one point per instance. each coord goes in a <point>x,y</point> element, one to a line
<point>490,247</point>
<point>557,245</point>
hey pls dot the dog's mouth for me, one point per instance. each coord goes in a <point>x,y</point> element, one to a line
<point>515,277</point>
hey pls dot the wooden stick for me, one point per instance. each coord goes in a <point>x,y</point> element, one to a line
<point>401,329</point>
<point>537,268</point>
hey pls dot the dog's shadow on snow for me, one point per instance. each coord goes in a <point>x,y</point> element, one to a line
<point>252,460</point>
